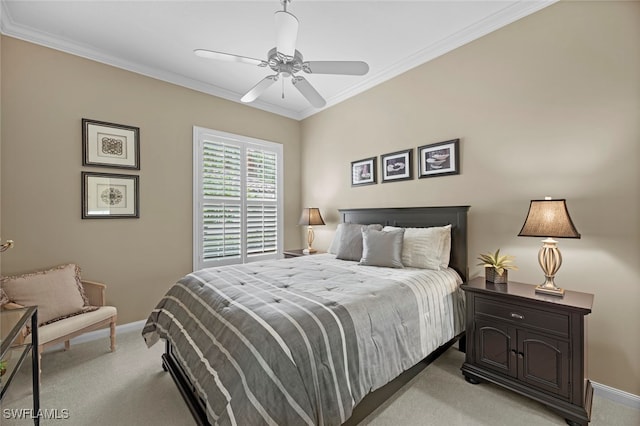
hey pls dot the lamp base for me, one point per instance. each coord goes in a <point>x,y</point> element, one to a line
<point>309,250</point>
<point>541,289</point>
<point>550,260</point>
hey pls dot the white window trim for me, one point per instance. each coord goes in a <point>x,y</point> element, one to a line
<point>199,133</point>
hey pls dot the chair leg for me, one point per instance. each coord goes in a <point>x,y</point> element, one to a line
<point>112,326</point>
<point>67,345</point>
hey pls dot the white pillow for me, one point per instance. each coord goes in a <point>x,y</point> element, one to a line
<point>426,248</point>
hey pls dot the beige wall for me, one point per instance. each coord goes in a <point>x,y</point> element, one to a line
<point>549,105</point>
<point>546,106</point>
<point>45,95</point>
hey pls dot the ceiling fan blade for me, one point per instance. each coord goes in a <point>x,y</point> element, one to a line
<point>308,91</point>
<point>286,33</point>
<point>336,67</point>
<point>259,88</point>
<point>227,57</point>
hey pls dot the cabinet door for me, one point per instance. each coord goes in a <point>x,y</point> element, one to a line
<point>544,362</point>
<point>494,342</point>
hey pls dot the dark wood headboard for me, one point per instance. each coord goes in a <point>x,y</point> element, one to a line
<point>421,217</point>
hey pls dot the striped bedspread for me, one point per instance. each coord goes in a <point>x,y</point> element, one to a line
<point>301,341</point>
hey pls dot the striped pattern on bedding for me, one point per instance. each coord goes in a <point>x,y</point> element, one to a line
<point>301,341</point>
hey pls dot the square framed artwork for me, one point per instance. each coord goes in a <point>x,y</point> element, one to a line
<point>439,159</point>
<point>110,145</point>
<point>109,196</point>
<point>363,172</point>
<point>397,166</point>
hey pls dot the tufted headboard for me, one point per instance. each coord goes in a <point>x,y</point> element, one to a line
<point>421,217</point>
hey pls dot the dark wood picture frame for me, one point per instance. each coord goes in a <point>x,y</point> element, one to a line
<point>397,166</point>
<point>110,196</point>
<point>110,145</point>
<point>364,172</point>
<point>439,159</point>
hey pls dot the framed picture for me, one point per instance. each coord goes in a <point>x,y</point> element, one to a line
<point>439,159</point>
<point>397,166</point>
<point>110,145</point>
<point>108,196</point>
<point>363,172</point>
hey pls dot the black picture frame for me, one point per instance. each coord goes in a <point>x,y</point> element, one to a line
<point>397,166</point>
<point>110,145</point>
<point>110,196</point>
<point>439,159</point>
<point>364,172</point>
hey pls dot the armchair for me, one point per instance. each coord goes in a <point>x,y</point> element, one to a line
<point>72,325</point>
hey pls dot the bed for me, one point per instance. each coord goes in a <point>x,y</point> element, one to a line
<point>307,340</point>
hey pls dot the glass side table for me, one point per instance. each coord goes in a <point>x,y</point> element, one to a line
<point>14,351</point>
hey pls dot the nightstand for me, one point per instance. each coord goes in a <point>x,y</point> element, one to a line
<point>529,343</point>
<point>299,252</point>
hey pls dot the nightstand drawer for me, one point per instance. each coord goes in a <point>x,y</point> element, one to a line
<point>541,320</point>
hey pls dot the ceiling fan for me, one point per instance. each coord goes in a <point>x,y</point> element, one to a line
<point>286,61</point>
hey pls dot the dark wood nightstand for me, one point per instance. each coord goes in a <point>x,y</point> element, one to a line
<point>299,252</point>
<point>531,344</point>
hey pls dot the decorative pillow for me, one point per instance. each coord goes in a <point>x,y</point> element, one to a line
<point>382,248</point>
<point>426,248</point>
<point>350,246</point>
<point>57,292</point>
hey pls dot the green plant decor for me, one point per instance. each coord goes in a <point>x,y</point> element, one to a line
<point>497,262</point>
<point>3,367</point>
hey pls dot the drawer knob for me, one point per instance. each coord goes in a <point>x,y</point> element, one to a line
<point>517,316</point>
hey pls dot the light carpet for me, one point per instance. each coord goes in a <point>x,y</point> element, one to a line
<point>88,385</point>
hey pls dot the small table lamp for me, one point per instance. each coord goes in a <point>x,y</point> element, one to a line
<point>549,218</point>
<point>310,216</point>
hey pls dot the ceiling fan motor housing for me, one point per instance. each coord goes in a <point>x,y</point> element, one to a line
<point>285,65</point>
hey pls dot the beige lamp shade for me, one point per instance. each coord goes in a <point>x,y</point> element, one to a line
<point>548,218</point>
<point>310,216</point>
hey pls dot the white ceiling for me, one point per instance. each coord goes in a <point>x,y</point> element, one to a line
<point>157,38</point>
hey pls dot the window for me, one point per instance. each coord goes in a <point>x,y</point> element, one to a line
<point>237,199</point>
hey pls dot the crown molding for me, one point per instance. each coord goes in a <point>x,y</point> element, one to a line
<point>10,28</point>
<point>505,16</point>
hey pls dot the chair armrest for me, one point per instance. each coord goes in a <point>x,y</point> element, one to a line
<point>11,305</point>
<point>95,292</point>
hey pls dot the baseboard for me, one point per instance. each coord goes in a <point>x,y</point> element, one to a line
<point>616,395</point>
<point>100,334</point>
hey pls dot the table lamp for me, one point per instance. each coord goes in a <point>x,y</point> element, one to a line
<point>310,216</point>
<point>549,218</point>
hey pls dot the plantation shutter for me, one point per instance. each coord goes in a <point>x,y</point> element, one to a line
<point>237,202</point>
<point>262,210</point>
<point>221,207</point>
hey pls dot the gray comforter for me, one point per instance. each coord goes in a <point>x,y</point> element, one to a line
<point>301,341</point>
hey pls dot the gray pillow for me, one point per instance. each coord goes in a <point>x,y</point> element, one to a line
<point>335,243</point>
<point>382,248</point>
<point>350,247</point>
